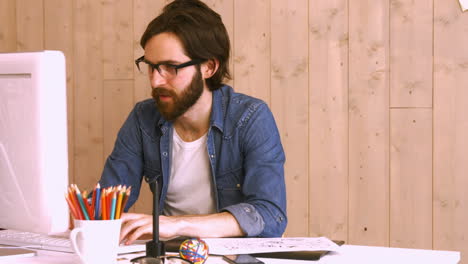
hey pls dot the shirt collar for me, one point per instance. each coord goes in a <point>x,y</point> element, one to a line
<point>218,108</point>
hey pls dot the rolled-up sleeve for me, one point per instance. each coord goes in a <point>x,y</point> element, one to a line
<point>263,213</point>
<point>248,217</point>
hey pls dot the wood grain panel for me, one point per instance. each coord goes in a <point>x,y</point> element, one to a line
<point>252,48</point>
<point>144,11</point>
<point>368,122</point>
<point>411,53</point>
<point>117,34</point>
<point>8,28</point>
<point>328,111</point>
<point>225,8</point>
<point>30,25</point>
<point>58,35</point>
<point>450,127</point>
<point>289,87</point>
<point>411,178</point>
<point>88,99</point>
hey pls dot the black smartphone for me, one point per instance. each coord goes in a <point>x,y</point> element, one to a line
<point>242,259</point>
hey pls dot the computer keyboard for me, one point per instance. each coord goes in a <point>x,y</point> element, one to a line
<point>55,243</point>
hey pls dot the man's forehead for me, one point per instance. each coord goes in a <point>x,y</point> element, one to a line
<point>165,47</point>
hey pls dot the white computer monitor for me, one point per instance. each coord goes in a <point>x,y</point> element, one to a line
<point>33,142</point>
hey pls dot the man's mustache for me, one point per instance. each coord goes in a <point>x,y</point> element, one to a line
<point>158,91</point>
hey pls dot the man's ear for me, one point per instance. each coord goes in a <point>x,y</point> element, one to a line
<point>209,68</point>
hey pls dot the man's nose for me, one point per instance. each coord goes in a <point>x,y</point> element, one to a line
<point>156,79</point>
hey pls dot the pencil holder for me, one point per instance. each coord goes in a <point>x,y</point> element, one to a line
<point>96,241</point>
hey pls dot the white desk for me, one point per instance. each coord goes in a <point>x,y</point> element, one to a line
<point>384,255</point>
<point>347,254</point>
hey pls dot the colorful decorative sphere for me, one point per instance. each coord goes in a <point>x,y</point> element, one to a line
<point>194,250</point>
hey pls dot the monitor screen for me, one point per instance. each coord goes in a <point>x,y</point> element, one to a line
<point>33,142</point>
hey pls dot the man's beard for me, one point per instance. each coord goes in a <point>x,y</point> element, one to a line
<point>180,103</point>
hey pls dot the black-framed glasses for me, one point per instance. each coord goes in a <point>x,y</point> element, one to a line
<point>166,70</point>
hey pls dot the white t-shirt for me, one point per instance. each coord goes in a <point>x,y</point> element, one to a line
<point>190,189</point>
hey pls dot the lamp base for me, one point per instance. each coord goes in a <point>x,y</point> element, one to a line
<point>147,260</point>
<point>155,249</point>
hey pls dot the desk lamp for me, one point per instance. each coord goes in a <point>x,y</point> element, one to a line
<point>154,248</point>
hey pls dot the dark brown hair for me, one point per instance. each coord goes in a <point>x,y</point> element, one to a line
<point>201,31</point>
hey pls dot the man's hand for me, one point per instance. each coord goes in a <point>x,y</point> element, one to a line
<point>136,226</point>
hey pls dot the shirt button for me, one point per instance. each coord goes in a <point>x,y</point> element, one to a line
<point>246,209</point>
<point>164,154</point>
<point>212,156</point>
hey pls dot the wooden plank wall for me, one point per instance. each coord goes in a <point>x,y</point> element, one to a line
<point>450,199</point>
<point>370,98</point>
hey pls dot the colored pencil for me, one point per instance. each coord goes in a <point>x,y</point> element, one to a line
<point>75,202</point>
<point>103,204</point>
<point>113,203</point>
<point>87,205</point>
<point>72,208</point>
<point>93,199</point>
<point>119,203</point>
<point>125,199</point>
<point>110,190</point>
<point>97,201</point>
<point>82,205</point>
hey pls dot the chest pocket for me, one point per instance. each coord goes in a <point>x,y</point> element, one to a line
<point>229,186</point>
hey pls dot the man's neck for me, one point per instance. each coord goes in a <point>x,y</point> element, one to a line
<point>194,123</point>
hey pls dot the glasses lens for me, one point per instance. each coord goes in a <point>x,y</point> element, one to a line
<point>144,68</point>
<point>167,71</point>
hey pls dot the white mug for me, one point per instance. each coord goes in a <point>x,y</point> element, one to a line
<point>96,241</point>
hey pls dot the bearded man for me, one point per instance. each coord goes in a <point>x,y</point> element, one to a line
<point>216,154</point>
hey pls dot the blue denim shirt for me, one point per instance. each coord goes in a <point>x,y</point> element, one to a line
<point>245,153</point>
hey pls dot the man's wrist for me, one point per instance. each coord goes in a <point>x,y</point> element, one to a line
<point>183,226</point>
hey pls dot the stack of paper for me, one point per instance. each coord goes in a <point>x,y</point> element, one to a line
<point>231,246</point>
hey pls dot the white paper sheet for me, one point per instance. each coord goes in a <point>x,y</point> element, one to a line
<point>464,4</point>
<point>229,246</point>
